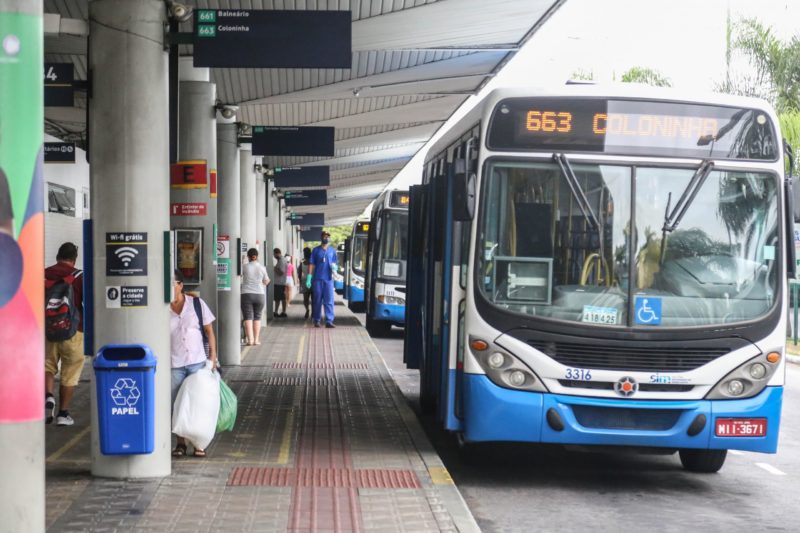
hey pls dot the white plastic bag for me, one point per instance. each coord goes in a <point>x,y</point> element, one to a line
<point>196,409</point>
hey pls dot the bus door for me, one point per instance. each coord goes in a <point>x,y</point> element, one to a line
<point>412,348</point>
<point>346,267</point>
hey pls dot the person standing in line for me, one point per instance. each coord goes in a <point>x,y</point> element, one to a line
<point>289,280</point>
<point>190,327</point>
<point>320,280</point>
<point>63,332</point>
<point>280,283</point>
<point>254,279</point>
<point>302,270</point>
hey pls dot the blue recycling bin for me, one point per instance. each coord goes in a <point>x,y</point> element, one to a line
<point>125,380</point>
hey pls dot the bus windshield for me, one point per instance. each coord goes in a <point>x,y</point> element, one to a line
<point>614,261</point>
<point>359,254</point>
<point>393,244</point>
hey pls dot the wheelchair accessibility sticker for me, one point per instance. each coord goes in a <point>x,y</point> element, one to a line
<point>125,395</point>
<point>648,310</point>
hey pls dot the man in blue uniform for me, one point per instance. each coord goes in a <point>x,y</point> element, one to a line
<point>320,280</point>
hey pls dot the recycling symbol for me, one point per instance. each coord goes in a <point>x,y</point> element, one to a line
<point>125,392</point>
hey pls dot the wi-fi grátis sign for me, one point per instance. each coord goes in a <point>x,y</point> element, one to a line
<point>126,254</point>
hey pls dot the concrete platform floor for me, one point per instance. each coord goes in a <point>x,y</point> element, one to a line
<point>324,441</point>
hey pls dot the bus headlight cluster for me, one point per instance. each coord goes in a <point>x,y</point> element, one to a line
<point>359,284</point>
<point>392,300</point>
<point>503,368</point>
<point>748,380</point>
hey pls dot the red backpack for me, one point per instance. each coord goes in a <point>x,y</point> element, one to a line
<point>61,315</point>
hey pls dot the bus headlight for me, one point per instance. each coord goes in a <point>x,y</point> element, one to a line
<point>505,370</point>
<point>391,300</point>
<point>747,380</point>
<point>359,284</point>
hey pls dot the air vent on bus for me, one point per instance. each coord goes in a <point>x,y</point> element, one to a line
<point>642,359</point>
<point>609,385</point>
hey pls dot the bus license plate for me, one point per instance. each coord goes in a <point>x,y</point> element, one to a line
<point>741,427</point>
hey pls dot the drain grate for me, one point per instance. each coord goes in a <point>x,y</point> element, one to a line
<point>323,477</point>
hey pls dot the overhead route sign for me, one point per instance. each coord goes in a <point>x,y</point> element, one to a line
<point>312,234</point>
<point>315,176</point>
<point>239,38</point>
<point>59,90</point>
<point>307,219</point>
<point>296,198</point>
<point>293,141</point>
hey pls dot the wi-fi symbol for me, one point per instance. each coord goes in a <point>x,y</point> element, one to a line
<point>126,254</point>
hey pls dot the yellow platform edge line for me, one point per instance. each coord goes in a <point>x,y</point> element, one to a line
<point>300,348</point>
<point>69,444</point>
<point>440,475</point>
<point>286,439</point>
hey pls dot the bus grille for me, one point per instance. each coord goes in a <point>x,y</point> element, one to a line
<point>609,385</point>
<point>594,417</point>
<point>649,359</point>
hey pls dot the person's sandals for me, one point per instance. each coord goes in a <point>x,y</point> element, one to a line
<point>199,453</point>
<point>179,451</point>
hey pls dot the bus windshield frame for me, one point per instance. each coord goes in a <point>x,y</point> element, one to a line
<point>696,263</point>
<point>392,256</point>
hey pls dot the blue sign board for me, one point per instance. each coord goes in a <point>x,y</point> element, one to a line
<point>312,234</point>
<point>315,176</point>
<point>647,310</point>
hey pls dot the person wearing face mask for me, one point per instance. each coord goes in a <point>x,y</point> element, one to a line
<point>280,269</point>
<point>320,280</point>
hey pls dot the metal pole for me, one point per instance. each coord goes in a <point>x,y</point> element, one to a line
<point>229,224</point>
<point>22,500</point>
<point>129,169</point>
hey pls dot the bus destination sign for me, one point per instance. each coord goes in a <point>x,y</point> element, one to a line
<point>399,199</point>
<point>240,38</point>
<point>633,127</point>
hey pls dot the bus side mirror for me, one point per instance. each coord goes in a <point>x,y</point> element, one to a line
<point>464,196</point>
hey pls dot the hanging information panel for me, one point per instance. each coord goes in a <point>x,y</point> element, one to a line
<point>316,176</point>
<point>239,38</point>
<point>293,140</point>
<point>296,198</point>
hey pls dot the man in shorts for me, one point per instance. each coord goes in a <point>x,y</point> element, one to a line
<point>69,353</point>
<point>279,285</point>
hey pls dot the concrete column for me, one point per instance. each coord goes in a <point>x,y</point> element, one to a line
<point>261,226</point>
<point>229,225</point>
<point>22,500</point>
<point>129,169</point>
<point>198,141</point>
<point>270,244</point>
<point>247,196</point>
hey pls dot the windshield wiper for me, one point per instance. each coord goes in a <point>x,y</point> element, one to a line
<point>577,191</point>
<point>673,218</point>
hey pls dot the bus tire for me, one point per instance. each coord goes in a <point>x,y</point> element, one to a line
<point>467,451</point>
<point>703,461</point>
<point>356,307</point>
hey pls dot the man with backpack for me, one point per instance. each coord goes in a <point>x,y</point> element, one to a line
<point>63,332</point>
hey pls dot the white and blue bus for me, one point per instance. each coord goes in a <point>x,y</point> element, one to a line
<point>355,266</point>
<point>604,266</point>
<point>338,277</point>
<point>387,246</point>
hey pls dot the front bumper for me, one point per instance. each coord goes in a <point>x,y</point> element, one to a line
<point>356,294</point>
<point>493,413</point>
<point>396,314</point>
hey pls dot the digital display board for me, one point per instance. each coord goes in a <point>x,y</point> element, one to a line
<point>313,176</point>
<point>293,141</point>
<point>633,127</point>
<point>399,199</point>
<point>362,227</point>
<point>297,198</point>
<point>312,234</point>
<point>247,38</point>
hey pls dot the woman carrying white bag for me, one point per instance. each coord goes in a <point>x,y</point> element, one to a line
<point>195,382</point>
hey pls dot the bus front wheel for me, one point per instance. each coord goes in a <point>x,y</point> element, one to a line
<point>703,461</point>
<point>378,328</point>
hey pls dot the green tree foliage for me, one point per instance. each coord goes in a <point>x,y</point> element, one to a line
<point>338,235</point>
<point>645,75</point>
<point>776,78</point>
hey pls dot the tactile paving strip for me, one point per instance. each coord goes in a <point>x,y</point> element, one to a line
<point>323,477</point>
